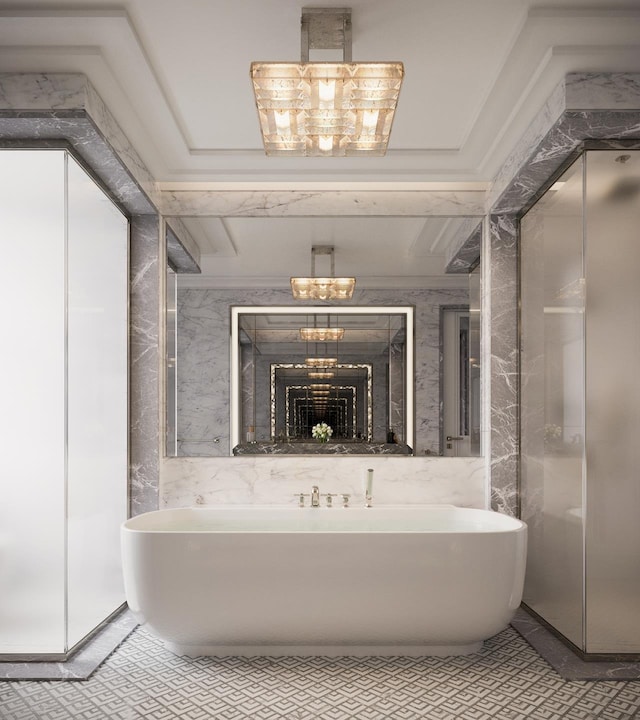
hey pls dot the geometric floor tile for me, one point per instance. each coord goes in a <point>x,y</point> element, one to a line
<point>141,680</point>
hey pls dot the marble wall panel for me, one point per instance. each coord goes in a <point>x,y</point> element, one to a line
<point>203,359</point>
<point>503,232</point>
<point>144,364</point>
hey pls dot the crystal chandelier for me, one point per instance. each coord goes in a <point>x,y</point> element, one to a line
<point>326,108</point>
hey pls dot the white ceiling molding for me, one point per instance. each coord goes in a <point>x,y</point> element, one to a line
<point>114,51</point>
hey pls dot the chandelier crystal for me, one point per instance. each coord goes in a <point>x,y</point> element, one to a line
<point>326,109</point>
<point>336,109</point>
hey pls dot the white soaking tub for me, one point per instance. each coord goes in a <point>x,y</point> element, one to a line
<point>269,580</point>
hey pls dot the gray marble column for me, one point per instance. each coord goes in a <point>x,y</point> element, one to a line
<point>144,363</point>
<point>504,369</point>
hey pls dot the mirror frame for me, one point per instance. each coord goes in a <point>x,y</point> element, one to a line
<point>409,380</point>
<point>277,366</point>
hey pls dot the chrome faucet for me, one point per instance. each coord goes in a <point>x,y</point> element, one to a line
<point>315,496</point>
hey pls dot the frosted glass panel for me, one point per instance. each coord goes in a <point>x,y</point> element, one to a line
<point>32,420</point>
<point>613,400</point>
<point>97,402</point>
<point>64,419</point>
<point>552,418</point>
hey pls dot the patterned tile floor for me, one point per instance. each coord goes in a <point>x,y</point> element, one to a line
<point>141,680</point>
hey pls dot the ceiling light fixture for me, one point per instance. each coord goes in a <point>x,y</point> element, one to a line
<point>310,334</point>
<point>320,375</point>
<point>322,288</point>
<point>326,108</point>
<point>321,362</point>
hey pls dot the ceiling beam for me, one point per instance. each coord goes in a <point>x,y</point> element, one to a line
<point>294,203</point>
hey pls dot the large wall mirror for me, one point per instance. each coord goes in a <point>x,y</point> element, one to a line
<point>293,368</point>
<point>398,262</point>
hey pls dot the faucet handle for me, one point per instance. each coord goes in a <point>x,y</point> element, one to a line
<point>301,497</point>
<point>345,499</point>
<point>329,497</point>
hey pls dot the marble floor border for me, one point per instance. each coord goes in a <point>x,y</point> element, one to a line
<point>83,663</point>
<point>563,660</point>
<point>81,666</point>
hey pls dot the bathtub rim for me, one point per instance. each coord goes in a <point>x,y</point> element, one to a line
<point>510,523</point>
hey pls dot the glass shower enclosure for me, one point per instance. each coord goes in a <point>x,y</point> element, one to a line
<point>64,420</point>
<point>580,400</point>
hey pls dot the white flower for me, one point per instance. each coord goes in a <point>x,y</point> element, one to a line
<point>321,432</point>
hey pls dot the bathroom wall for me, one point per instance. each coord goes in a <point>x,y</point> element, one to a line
<point>95,135</point>
<point>203,359</point>
<point>585,106</point>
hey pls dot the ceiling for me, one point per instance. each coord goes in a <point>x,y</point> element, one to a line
<point>175,75</point>
<point>365,335</point>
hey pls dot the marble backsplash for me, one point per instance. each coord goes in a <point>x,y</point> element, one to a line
<point>277,480</point>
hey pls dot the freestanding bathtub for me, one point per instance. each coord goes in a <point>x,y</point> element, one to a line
<point>267,580</point>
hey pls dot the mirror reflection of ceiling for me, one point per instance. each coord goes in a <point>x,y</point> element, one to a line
<point>365,335</point>
<point>378,251</point>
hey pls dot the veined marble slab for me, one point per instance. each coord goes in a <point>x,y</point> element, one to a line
<point>270,479</point>
<point>298,203</point>
<point>316,448</point>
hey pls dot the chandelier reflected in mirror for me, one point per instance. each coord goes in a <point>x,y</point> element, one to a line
<point>311,334</point>
<point>322,288</point>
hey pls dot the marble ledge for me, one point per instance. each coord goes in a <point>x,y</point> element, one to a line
<point>329,448</point>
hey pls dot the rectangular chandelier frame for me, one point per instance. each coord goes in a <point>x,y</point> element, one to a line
<point>336,109</point>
